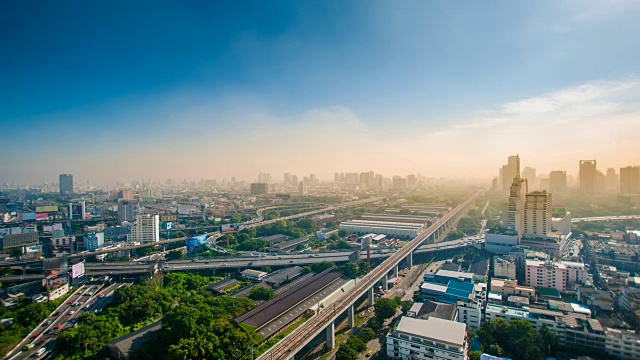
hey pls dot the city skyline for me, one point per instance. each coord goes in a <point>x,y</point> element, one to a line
<point>306,89</point>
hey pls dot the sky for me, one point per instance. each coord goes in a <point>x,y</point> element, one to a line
<point>124,90</point>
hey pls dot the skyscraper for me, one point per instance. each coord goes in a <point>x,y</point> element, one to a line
<point>630,180</point>
<point>557,182</point>
<point>510,171</point>
<point>66,184</point>
<point>411,180</point>
<point>127,211</point>
<point>537,213</point>
<point>287,178</point>
<point>517,197</point>
<point>611,180</point>
<point>529,173</point>
<point>588,175</point>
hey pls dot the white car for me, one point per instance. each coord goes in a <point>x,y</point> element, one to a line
<point>72,312</point>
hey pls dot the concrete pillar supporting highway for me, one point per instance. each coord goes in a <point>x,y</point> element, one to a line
<point>351,322</point>
<point>370,297</point>
<point>385,280</point>
<point>331,336</point>
<point>410,260</point>
<point>395,271</point>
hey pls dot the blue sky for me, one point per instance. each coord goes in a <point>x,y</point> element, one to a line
<point>93,88</point>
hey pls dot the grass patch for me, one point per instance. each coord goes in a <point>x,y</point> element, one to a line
<point>248,328</point>
<point>267,345</point>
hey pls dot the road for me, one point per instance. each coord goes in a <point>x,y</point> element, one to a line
<point>87,299</point>
<point>292,343</point>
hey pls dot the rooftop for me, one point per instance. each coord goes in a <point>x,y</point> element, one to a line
<point>282,275</point>
<point>436,309</point>
<point>451,332</point>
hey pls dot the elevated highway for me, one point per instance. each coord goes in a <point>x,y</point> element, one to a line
<point>606,218</point>
<point>324,320</point>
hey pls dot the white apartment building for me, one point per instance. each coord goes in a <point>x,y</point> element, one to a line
<point>146,229</point>
<point>433,338</point>
<point>623,344</point>
<point>558,275</point>
<point>563,224</point>
<point>537,214</point>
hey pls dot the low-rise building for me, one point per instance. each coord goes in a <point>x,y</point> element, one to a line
<point>433,338</point>
<point>510,287</point>
<point>253,275</point>
<point>504,267</point>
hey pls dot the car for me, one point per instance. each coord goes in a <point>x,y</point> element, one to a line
<point>369,353</point>
<point>291,262</point>
<point>72,312</point>
<point>101,295</point>
<point>59,326</point>
<point>36,335</point>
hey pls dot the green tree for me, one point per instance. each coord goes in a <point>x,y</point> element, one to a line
<point>346,352</point>
<point>367,334</point>
<point>321,266</point>
<point>340,245</point>
<point>550,340</point>
<point>307,225</point>
<point>385,308</point>
<point>331,224</point>
<point>174,255</point>
<point>475,355</point>
<point>404,212</point>
<point>349,269</point>
<point>343,233</point>
<point>406,305</point>
<point>357,343</point>
<point>261,293</point>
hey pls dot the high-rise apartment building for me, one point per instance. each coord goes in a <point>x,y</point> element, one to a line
<point>287,178</point>
<point>365,180</point>
<point>259,188</point>
<point>588,176</point>
<point>399,183</point>
<point>146,229</point>
<point>611,180</point>
<point>313,178</point>
<point>303,187</point>
<point>630,180</point>
<point>537,214</point>
<point>294,179</point>
<point>557,182</point>
<point>66,184</point>
<point>127,211</point>
<point>411,180</point>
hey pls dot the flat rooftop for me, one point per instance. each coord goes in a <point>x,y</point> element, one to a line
<point>451,332</point>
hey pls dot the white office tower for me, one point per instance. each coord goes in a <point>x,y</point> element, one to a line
<point>517,198</point>
<point>146,229</point>
<point>537,214</point>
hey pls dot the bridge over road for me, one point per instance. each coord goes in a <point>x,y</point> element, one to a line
<point>324,320</point>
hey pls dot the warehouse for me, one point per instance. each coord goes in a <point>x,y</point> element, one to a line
<point>395,229</point>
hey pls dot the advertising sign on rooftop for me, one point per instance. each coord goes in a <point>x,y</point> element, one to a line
<point>47,209</point>
<point>77,270</point>
<point>28,216</point>
<point>42,216</point>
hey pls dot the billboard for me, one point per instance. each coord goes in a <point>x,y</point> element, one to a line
<point>77,270</point>
<point>28,216</point>
<point>229,228</point>
<point>196,241</point>
<point>76,211</point>
<point>168,217</point>
<point>47,209</point>
<point>43,216</point>
<point>184,210</point>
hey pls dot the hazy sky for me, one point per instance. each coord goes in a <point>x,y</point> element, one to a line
<point>122,90</point>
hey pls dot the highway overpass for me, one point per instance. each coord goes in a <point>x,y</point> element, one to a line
<point>324,320</point>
